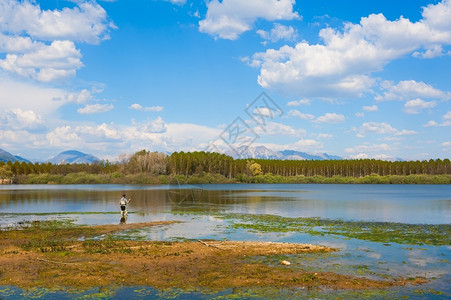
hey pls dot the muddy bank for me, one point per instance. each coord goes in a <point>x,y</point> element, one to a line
<point>46,254</point>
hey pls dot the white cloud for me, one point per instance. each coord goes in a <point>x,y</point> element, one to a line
<point>431,124</point>
<point>40,44</point>
<point>151,126</point>
<point>299,102</point>
<point>381,128</point>
<point>306,144</point>
<point>359,114</point>
<point>279,32</point>
<point>112,139</point>
<point>325,136</point>
<point>431,52</point>
<point>62,137</point>
<point>373,156</point>
<point>405,132</point>
<point>278,129</point>
<point>331,118</point>
<point>18,119</point>
<point>410,89</point>
<point>445,123</point>
<point>302,116</point>
<point>41,100</point>
<point>102,132</point>
<point>370,108</point>
<point>178,2</point>
<point>44,62</point>
<point>80,97</point>
<point>95,108</point>
<point>87,22</point>
<point>230,18</point>
<point>137,106</point>
<point>368,148</point>
<point>342,64</point>
<point>417,105</point>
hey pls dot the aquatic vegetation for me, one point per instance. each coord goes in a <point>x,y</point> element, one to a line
<point>381,232</point>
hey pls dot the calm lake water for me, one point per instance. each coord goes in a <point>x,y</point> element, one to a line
<point>197,205</point>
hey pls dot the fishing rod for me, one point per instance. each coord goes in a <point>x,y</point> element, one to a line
<point>130,199</point>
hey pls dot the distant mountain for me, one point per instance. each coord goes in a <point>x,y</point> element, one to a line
<point>255,152</point>
<point>73,157</point>
<point>261,152</point>
<point>6,156</point>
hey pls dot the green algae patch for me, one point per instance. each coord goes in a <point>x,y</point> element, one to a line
<point>380,232</point>
<point>52,255</point>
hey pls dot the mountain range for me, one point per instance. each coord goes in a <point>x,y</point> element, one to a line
<point>258,152</point>
<point>73,157</point>
<point>6,156</point>
<point>263,152</point>
<point>70,156</point>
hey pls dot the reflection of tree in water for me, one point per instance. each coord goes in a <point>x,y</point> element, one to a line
<point>189,195</point>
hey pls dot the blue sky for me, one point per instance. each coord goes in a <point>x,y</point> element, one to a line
<point>358,79</point>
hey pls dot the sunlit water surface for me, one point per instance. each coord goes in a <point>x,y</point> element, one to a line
<point>198,205</point>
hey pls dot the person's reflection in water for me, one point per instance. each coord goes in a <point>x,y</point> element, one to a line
<point>123,220</point>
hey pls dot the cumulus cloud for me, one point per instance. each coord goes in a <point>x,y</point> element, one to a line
<point>306,144</point>
<point>331,118</point>
<point>359,114</point>
<point>95,108</point>
<point>370,108</point>
<point>44,62</point>
<point>302,116</point>
<point>446,121</point>
<point>102,132</point>
<point>279,32</point>
<point>230,18</point>
<point>178,2</point>
<point>410,89</point>
<point>151,126</point>
<point>112,139</point>
<point>325,136</point>
<point>27,96</point>
<point>299,102</point>
<point>381,128</point>
<point>40,44</point>
<point>62,137</point>
<point>278,129</point>
<point>417,105</point>
<point>137,106</point>
<point>87,22</point>
<point>80,97</point>
<point>341,65</point>
<point>18,119</point>
<point>368,148</point>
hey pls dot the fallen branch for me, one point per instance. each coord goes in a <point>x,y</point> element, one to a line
<point>55,262</point>
<point>200,241</point>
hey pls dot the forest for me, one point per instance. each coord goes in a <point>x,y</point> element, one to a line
<point>206,167</point>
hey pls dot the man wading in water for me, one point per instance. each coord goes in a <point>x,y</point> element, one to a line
<point>123,204</point>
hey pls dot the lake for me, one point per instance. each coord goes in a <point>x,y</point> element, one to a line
<point>210,211</point>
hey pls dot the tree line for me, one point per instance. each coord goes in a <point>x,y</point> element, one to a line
<point>198,163</point>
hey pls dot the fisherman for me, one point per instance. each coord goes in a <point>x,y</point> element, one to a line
<point>123,204</point>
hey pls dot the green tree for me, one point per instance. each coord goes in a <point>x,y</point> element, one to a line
<point>5,172</point>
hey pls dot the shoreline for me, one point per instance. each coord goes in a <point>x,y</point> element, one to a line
<point>50,254</point>
<point>144,178</point>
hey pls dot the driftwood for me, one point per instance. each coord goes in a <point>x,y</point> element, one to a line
<point>200,241</point>
<point>55,262</point>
